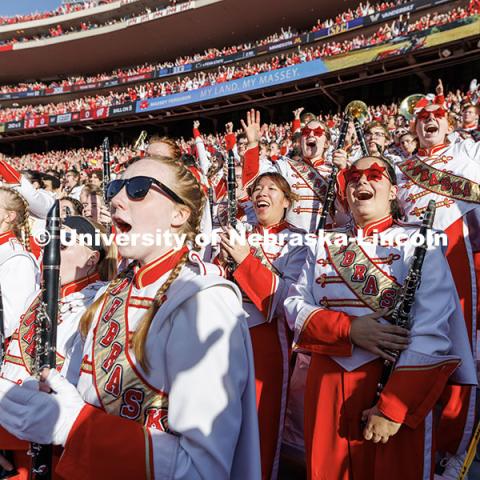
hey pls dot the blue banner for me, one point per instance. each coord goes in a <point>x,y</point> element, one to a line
<point>336,29</point>
<point>247,84</point>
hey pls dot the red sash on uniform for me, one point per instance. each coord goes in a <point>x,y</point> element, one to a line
<point>120,388</point>
<point>371,285</point>
<point>439,182</point>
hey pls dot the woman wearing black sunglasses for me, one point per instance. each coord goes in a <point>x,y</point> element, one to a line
<point>166,376</point>
<point>83,271</point>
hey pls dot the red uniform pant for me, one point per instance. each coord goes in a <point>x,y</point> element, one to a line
<point>335,447</point>
<point>271,370</point>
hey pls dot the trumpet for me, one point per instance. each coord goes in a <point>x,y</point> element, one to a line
<point>140,140</point>
<point>407,105</point>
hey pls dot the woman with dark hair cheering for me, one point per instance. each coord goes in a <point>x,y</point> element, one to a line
<point>264,273</point>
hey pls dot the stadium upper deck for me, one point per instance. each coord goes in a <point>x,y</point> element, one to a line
<point>128,108</point>
<point>184,33</point>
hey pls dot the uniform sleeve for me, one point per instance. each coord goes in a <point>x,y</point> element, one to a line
<point>424,368</point>
<point>207,387</point>
<point>251,166</point>
<point>202,152</point>
<point>296,125</point>
<point>266,288</point>
<point>39,201</point>
<point>317,329</point>
<point>210,372</point>
<point>19,279</point>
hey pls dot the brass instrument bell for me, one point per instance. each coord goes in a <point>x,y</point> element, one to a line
<point>407,105</point>
<point>357,109</point>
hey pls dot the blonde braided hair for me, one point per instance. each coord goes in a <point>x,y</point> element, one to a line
<point>188,188</point>
<point>15,202</point>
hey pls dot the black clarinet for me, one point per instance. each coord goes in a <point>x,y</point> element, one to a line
<point>7,454</point>
<point>361,137</point>
<point>106,166</point>
<point>210,201</point>
<point>401,313</point>
<point>46,330</point>
<point>106,174</point>
<point>330,194</point>
<point>231,200</point>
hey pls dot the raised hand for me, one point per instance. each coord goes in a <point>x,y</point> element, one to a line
<point>340,159</point>
<point>298,112</point>
<point>252,128</point>
<point>439,88</point>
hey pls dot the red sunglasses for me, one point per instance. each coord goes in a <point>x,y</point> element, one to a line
<point>318,132</point>
<point>425,114</point>
<point>374,173</point>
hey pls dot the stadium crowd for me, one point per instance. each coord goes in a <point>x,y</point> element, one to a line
<point>209,54</point>
<point>225,73</point>
<point>58,30</point>
<point>300,295</point>
<point>283,174</point>
<point>62,9</point>
<point>276,139</point>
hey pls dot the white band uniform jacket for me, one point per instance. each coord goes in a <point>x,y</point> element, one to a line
<point>438,332</point>
<point>75,297</point>
<point>201,378</point>
<point>19,278</point>
<point>308,181</point>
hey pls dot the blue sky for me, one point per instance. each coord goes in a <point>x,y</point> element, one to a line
<point>14,7</point>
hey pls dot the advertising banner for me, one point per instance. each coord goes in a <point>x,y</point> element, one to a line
<point>124,108</point>
<point>262,80</point>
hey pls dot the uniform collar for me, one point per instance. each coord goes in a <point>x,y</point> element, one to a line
<point>377,226</point>
<point>470,126</point>
<point>277,228</point>
<point>6,236</point>
<point>152,271</point>
<point>427,152</point>
<point>78,285</point>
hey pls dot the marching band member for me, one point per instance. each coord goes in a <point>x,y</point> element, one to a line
<point>70,206</point>
<point>470,117</point>
<point>19,273</point>
<point>307,177</point>
<point>447,173</point>
<point>39,201</point>
<point>338,306</point>
<point>93,204</point>
<point>408,144</point>
<point>170,372</point>
<point>264,273</point>
<point>83,271</point>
